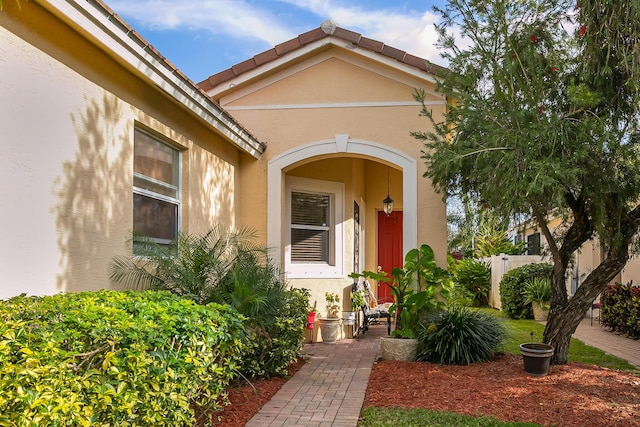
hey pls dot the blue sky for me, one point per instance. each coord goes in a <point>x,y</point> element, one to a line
<point>202,37</point>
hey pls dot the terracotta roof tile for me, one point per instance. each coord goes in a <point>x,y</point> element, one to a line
<point>327,29</point>
<point>266,56</point>
<point>347,35</point>
<point>311,36</point>
<point>244,66</point>
<point>415,61</point>
<point>140,41</point>
<point>288,46</point>
<point>394,53</point>
<point>371,44</point>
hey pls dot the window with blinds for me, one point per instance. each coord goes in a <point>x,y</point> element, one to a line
<point>310,227</point>
<point>156,189</point>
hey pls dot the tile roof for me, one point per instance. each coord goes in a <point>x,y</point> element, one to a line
<point>327,29</point>
<point>220,114</point>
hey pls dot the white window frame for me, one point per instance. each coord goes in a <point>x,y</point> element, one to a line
<point>335,267</point>
<point>151,194</point>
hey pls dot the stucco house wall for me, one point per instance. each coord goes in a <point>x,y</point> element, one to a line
<point>333,111</point>
<point>78,83</point>
<point>71,100</point>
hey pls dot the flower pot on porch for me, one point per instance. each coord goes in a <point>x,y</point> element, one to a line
<point>329,329</point>
<point>403,349</point>
<point>349,323</point>
<point>536,357</point>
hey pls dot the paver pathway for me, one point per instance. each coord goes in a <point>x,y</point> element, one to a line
<point>329,390</point>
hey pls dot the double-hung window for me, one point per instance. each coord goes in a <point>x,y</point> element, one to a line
<point>311,227</point>
<point>156,189</point>
<point>314,228</point>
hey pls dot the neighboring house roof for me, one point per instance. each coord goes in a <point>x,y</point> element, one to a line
<point>326,30</point>
<point>100,24</point>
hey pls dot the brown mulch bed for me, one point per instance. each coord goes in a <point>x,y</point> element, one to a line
<point>571,395</point>
<point>245,403</point>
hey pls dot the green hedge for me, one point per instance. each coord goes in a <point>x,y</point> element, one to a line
<point>271,348</point>
<point>114,358</point>
<point>512,287</point>
<point>620,306</point>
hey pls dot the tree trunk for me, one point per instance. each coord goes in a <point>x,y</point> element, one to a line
<point>565,317</point>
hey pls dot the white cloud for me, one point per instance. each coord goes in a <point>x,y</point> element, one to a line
<point>234,18</point>
<point>408,30</point>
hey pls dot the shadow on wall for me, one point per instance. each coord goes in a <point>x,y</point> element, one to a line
<point>212,198</point>
<point>93,214</point>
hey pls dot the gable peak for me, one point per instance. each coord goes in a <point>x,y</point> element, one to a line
<point>329,26</point>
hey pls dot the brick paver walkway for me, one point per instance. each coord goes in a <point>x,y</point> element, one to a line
<point>329,390</point>
<point>597,336</point>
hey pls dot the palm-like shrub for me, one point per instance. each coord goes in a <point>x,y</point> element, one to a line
<point>460,336</point>
<point>474,276</point>
<point>227,267</point>
<point>538,290</point>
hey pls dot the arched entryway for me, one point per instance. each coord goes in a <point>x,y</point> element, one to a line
<point>340,144</point>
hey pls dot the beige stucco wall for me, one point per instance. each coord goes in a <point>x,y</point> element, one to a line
<point>337,92</point>
<point>67,116</point>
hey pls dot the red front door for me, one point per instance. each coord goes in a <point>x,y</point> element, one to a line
<point>390,253</point>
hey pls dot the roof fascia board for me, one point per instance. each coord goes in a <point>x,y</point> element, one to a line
<point>319,45</point>
<point>94,20</point>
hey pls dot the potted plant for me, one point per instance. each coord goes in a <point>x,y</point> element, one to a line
<point>311,320</point>
<point>538,293</point>
<point>330,325</point>
<point>418,287</point>
<point>351,318</point>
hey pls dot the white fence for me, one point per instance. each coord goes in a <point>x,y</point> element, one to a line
<point>500,264</point>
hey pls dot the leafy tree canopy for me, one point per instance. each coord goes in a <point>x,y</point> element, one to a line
<point>542,121</point>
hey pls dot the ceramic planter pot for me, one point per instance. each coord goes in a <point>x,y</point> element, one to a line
<point>402,349</point>
<point>536,357</point>
<point>540,311</point>
<point>329,329</point>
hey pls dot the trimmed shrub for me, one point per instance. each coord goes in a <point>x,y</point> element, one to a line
<point>512,289</point>
<point>269,351</point>
<point>475,277</point>
<point>460,336</point>
<point>226,266</point>
<point>114,358</point>
<point>620,306</point>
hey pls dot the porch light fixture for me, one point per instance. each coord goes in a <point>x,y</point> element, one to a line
<point>388,202</point>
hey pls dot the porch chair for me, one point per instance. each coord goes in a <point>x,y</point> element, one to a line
<point>595,306</point>
<point>371,313</point>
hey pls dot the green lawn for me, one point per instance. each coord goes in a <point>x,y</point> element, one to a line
<point>379,417</point>
<point>519,332</point>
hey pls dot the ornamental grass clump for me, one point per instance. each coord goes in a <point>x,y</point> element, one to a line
<point>538,290</point>
<point>460,336</point>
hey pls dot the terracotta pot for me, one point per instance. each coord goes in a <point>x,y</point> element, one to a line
<point>402,349</point>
